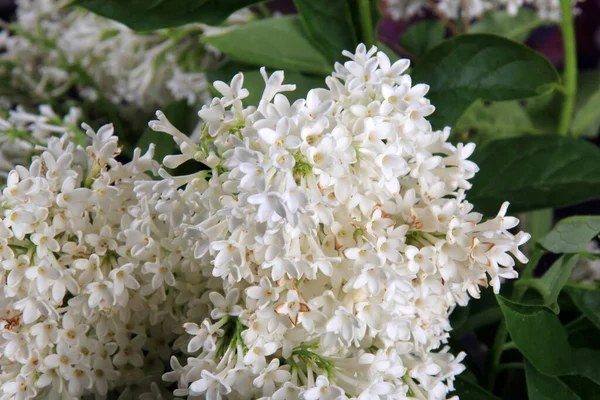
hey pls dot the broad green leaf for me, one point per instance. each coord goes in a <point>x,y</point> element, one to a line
<point>539,336</point>
<point>515,27</point>
<point>178,113</point>
<point>484,121</point>
<point>586,362</point>
<point>280,43</point>
<point>535,172</point>
<point>147,15</point>
<point>587,117</point>
<point>587,300</point>
<point>584,387</point>
<point>470,391</point>
<point>543,387</point>
<point>483,312</point>
<point>555,278</point>
<point>423,36</point>
<point>480,66</point>
<point>572,235</point>
<point>330,26</point>
<point>254,82</point>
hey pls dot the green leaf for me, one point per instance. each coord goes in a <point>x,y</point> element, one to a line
<point>470,391</point>
<point>539,336</point>
<point>480,66</point>
<point>147,15</point>
<point>177,112</point>
<point>515,27</point>
<point>423,36</point>
<point>572,235</point>
<point>535,172</point>
<point>555,278</point>
<point>254,82</point>
<point>587,300</point>
<point>587,117</point>
<point>280,43</point>
<point>586,362</point>
<point>585,388</point>
<point>330,26</point>
<point>484,121</point>
<point>542,387</point>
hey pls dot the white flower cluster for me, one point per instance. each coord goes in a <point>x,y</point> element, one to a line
<point>319,258</point>
<point>454,9</point>
<point>80,313</point>
<point>334,239</point>
<point>52,47</point>
<point>22,131</point>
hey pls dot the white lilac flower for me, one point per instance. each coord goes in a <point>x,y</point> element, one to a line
<point>332,240</point>
<point>22,131</point>
<point>53,47</point>
<point>455,9</point>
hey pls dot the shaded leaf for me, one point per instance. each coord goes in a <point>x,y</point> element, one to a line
<point>485,121</point>
<point>587,116</point>
<point>542,387</point>
<point>555,278</point>
<point>516,27</point>
<point>422,36</point>
<point>535,172</point>
<point>280,43</point>
<point>467,390</point>
<point>330,26</point>
<point>572,235</point>
<point>147,15</point>
<point>585,388</point>
<point>539,336</point>
<point>586,362</point>
<point>587,300</point>
<point>479,66</point>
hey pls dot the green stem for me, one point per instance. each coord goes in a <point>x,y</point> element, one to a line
<point>509,346</point>
<point>502,332</point>
<point>366,23</point>
<point>264,10</point>
<point>570,72</point>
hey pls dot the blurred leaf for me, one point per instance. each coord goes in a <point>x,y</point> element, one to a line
<point>484,121</point>
<point>539,336</point>
<point>330,26</point>
<point>587,105</point>
<point>554,280</point>
<point>148,15</point>
<point>535,172</point>
<point>585,388</point>
<point>280,43</point>
<point>467,390</point>
<point>586,362</point>
<point>572,235</point>
<point>542,387</point>
<point>515,27</point>
<point>423,36</point>
<point>587,300</point>
<point>458,317</point>
<point>480,66</point>
<point>178,113</point>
